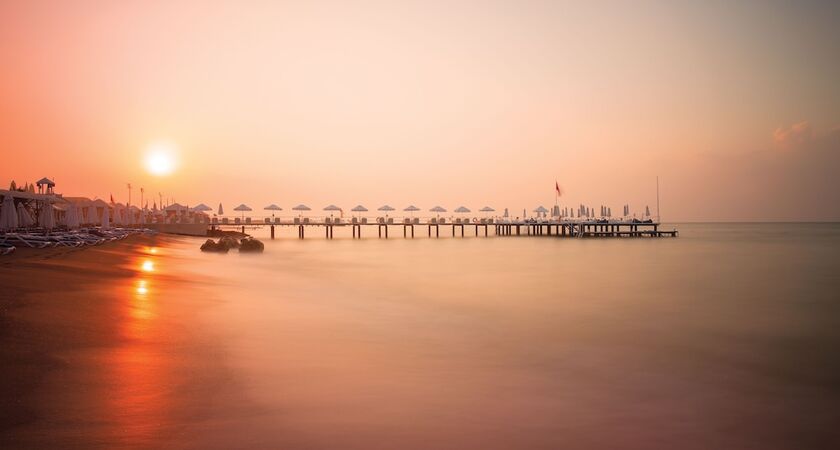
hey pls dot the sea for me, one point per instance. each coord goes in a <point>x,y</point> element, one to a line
<point>726,337</point>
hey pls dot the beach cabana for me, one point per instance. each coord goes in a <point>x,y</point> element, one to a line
<point>8,214</point>
<point>45,182</point>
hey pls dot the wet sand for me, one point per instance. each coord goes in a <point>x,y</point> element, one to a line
<point>88,362</point>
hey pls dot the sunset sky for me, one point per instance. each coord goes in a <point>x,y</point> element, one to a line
<point>735,105</point>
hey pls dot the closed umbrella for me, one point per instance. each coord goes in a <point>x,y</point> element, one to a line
<point>221,210</point>
<point>46,217</point>
<point>24,217</point>
<point>71,219</point>
<point>8,215</point>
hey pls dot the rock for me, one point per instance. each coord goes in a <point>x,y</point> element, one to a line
<point>229,242</point>
<point>211,246</point>
<point>251,245</point>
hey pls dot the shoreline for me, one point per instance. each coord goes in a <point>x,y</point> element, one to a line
<point>81,348</point>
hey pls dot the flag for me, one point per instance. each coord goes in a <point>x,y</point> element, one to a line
<point>112,198</point>
<point>557,188</point>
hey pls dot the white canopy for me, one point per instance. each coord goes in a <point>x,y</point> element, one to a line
<point>8,214</point>
<point>71,218</point>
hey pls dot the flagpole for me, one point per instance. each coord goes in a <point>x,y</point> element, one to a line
<point>658,217</point>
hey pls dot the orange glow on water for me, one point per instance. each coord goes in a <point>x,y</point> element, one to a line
<point>148,266</point>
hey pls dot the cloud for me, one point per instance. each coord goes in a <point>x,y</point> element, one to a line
<point>796,136</point>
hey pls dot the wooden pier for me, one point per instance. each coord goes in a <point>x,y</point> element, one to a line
<point>562,229</point>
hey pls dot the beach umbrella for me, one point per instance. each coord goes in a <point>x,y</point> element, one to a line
<point>385,208</point>
<point>300,208</point>
<point>242,208</point>
<point>506,214</point>
<point>647,211</point>
<point>8,214</point>
<point>24,217</point>
<point>438,210</point>
<point>359,208</point>
<point>487,209</point>
<point>272,207</point>
<point>540,211</point>
<point>411,209</point>
<point>106,218</point>
<point>201,207</point>
<point>221,210</point>
<point>331,209</point>
<point>46,217</point>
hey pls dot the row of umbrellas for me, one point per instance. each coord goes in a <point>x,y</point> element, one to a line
<point>358,208</point>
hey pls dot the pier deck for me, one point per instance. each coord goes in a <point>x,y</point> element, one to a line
<point>562,229</point>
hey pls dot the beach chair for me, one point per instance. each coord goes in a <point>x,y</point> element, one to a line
<point>215,220</point>
<point>276,220</point>
<point>225,221</point>
<point>364,220</point>
<point>237,221</point>
<point>306,220</point>
<point>327,220</point>
<point>248,220</point>
<point>380,220</point>
<point>490,221</point>
<point>407,221</point>
<point>354,220</point>
<point>268,220</point>
<point>416,220</point>
<point>390,221</point>
<point>297,221</point>
<point>337,220</point>
<point>442,221</point>
<point>433,221</point>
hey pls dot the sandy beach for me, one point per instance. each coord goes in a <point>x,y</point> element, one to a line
<point>89,373</point>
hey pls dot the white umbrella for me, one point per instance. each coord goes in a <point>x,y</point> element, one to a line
<point>300,208</point>
<point>8,215</point>
<point>24,217</point>
<point>411,210</point>
<point>385,208</point>
<point>242,208</point>
<point>106,218</point>
<point>46,217</point>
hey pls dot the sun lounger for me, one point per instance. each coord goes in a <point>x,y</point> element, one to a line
<point>442,221</point>
<point>248,220</point>
<point>407,221</point>
<point>297,221</point>
<point>237,221</point>
<point>433,220</point>
<point>364,220</point>
<point>268,220</point>
<point>225,221</point>
<point>327,220</point>
<point>354,220</point>
<point>276,220</point>
<point>390,221</point>
<point>306,220</point>
<point>416,220</point>
<point>338,220</point>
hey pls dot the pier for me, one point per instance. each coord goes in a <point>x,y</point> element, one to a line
<point>412,228</point>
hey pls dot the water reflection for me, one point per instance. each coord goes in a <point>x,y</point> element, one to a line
<point>148,266</point>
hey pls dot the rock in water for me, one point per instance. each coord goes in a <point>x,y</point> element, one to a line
<point>211,246</point>
<point>229,242</point>
<point>251,245</point>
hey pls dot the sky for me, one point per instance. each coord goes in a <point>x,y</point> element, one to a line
<point>735,106</point>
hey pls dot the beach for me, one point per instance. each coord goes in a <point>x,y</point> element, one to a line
<point>509,342</point>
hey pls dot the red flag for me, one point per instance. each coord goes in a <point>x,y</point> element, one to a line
<point>557,188</point>
<point>112,198</point>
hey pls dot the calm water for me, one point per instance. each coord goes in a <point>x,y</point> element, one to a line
<point>726,337</point>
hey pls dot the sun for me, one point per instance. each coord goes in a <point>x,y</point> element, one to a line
<point>160,159</point>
